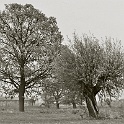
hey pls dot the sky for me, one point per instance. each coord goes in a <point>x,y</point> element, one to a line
<point>99,17</point>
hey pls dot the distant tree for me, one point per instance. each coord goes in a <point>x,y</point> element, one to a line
<point>70,97</point>
<point>54,90</point>
<point>57,91</point>
<point>67,73</point>
<point>29,42</point>
<point>32,101</point>
<point>98,68</point>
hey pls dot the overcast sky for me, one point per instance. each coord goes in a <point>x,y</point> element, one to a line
<point>99,17</point>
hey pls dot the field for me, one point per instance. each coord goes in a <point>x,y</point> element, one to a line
<point>38,115</point>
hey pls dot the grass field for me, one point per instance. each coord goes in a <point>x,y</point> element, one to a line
<point>38,115</point>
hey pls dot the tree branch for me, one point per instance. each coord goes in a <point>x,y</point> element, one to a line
<point>42,75</point>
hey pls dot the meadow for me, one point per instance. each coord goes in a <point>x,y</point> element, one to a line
<point>40,115</point>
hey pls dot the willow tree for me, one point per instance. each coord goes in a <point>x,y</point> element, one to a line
<point>98,68</point>
<point>29,42</point>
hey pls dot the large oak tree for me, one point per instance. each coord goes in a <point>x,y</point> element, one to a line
<point>29,42</point>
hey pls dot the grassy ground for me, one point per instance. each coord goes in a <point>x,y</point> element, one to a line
<point>38,115</point>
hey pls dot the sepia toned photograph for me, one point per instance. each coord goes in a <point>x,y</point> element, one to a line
<point>61,62</point>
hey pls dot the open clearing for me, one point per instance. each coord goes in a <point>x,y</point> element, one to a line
<point>38,115</point>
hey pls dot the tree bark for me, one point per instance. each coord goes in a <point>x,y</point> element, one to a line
<point>22,87</point>
<point>21,98</point>
<point>74,105</point>
<point>57,102</point>
<point>47,105</point>
<point>90,91</point>
<point>57,97</point>
<point>92,106</point>
<point>57,105</point>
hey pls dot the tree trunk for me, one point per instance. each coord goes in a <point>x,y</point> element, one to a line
<point>57,100</point>
<point>47,105</point>
<point>89,92</point>
<point>74,105</point>
<point>22,87</point>
<point>81,100</point>
<point>81,93</point>
<point>92,106</point>
<point>57,105</point>
<point>21,98</point>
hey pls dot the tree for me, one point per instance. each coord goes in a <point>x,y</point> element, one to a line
<point>98,68</point>
<point>54,90</point>
<point>67,73</point>
<point>57,92</point>
<point>29,42</point>
<point>46,93</point>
